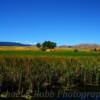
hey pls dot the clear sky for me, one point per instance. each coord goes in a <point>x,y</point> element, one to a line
<point>62,21</point>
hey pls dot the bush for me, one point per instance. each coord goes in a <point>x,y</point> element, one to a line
<point>75,50</point>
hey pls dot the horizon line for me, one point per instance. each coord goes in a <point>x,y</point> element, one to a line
<point>34,43</point>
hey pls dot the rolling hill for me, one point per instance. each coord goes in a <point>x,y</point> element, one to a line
<point>13,44</point>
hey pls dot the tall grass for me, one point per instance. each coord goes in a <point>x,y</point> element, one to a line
<point>28,74</point>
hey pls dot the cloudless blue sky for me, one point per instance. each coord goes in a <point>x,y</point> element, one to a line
<point>62,21</point>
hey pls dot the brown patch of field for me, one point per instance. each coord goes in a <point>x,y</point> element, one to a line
<point>63,49</point>
<point>19,48</point>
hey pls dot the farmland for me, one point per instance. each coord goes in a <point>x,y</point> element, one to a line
<point>25,71</point>
<point>35,52</point>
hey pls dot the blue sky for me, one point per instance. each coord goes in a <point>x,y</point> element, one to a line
<point>62,21</point>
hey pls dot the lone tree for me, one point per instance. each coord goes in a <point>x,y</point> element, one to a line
<point>38,45</point>
<point>48,45</point>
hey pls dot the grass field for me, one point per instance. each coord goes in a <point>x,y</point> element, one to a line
<point>63,53</point>
<point>26,71</point>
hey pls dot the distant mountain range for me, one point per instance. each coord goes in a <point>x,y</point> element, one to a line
<point>62,46</point>
<point>81,46</point>
<point>65,46</point>
<point>87,46</point>
<point>13,44</point>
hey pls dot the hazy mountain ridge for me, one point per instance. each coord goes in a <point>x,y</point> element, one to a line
<point>13,44</point>
<point>61,46</point>
<point>81,46</point>
<point>87,46</point>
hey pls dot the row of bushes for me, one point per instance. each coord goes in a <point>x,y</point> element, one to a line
<point>26,75</point>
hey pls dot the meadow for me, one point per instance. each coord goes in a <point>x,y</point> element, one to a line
<point>25,71</point>
<point>62,53</point>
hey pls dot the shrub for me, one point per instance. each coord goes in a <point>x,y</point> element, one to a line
<point>75,50</point>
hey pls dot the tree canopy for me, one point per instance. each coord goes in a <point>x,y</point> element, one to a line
<point>46,45</point>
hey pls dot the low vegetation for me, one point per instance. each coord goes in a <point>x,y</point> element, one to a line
<point>22,72</point>
<point>28,74</point>
<point>56,53</point>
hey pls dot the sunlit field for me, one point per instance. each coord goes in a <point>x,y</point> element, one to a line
<point>27,70</point>
<point>36,52</point>
<point>49,54</point>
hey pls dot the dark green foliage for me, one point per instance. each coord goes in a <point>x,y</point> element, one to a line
<point>38,45</point>
<point>48,45</point>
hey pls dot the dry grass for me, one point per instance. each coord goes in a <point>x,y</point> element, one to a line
<point>64,49</point>
<point>19,48</point>
<point>79,49</point>
<point>33,48</point>
<point>30,74</point>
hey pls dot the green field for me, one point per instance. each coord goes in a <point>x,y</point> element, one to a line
<point>49,54</point>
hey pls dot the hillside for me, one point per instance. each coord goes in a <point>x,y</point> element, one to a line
<point>13,44</point>
<point>87,46</point>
